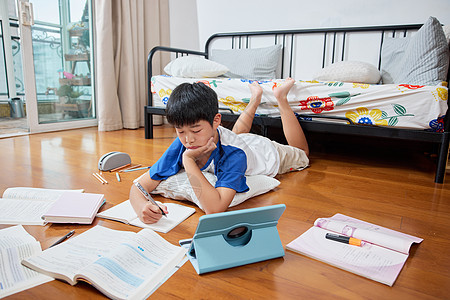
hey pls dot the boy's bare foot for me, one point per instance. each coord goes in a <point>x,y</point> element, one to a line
<point>281,92</point>
<point>256,91</point>
<point>245,120</point>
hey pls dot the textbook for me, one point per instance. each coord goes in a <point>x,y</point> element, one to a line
<point>74,207</point>
<point>26,205</point>
<point>125,213</point>
<point>16,244</point>
<point>120,264</point>
<point>381,256</point>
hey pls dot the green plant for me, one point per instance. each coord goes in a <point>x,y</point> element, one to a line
<point>68,91</point>
<point>84,40</point>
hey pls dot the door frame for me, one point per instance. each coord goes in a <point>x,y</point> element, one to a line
<point>30,85</point>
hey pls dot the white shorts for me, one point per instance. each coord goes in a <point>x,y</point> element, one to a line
<point>291,158</point>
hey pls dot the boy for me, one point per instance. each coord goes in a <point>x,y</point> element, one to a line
<point>204,145</point>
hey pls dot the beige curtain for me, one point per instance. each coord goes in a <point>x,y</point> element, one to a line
<point>126,30</point>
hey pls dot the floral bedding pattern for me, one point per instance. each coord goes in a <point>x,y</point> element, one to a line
<point>402,105</point>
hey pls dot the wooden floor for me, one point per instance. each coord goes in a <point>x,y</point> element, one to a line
<point>372,182</point>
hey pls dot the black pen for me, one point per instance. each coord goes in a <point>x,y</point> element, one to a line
<point>146,195</point>
<point>63,238</point>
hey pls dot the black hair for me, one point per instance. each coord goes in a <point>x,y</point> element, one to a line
<point>190,103</point>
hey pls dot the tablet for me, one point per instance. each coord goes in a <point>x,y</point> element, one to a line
<point>235,238</point>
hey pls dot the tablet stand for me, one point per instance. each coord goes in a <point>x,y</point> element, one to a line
<point>235,238</point>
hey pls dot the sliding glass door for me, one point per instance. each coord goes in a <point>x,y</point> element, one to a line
<point>63,81</point>
<point>12,114</point>
<point>56,46</point>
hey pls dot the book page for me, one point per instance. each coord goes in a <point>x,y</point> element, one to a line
<point>14,236</point>
<point>371,261</point>
<point>25,212</point>
<point>15,245</point>
<point>177,214</point>
<point>176,268</point>
<point>26,206</point>
<point>118,263</point>
<point>35,193</point>
<point>67,259</point>
<point>124,212</point>
<point>368,232</point>
<point>136,267</point>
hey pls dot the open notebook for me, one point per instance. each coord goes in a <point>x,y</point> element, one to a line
<point>381,256</point>
<point>125,213</point>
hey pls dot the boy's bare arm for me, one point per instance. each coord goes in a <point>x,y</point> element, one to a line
<point>212,200</point>
<point>146,211</point>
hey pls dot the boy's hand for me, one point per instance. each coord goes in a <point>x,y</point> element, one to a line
<point>200,152</point>
<point>150,213</point>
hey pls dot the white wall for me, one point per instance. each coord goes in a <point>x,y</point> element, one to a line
<point>183,24</point>
<point>193,21</point>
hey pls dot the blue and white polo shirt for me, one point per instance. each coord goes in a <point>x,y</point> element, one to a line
<point>236,155</point>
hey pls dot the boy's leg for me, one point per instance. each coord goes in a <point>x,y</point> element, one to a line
<point>291,127</point>
<point>245,120</point>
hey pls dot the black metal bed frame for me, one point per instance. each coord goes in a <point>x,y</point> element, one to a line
<point>286,38</point>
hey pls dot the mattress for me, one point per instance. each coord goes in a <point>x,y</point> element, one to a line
<point>396,105</point>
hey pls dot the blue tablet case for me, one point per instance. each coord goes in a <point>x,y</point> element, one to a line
<point>235,238</point>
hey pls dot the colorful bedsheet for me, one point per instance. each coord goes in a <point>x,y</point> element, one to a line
<point>402,106</point>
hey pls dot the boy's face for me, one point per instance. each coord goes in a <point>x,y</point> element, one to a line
<point>198,134</point>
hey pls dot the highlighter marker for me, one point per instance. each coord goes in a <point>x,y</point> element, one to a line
<point>343,239</point>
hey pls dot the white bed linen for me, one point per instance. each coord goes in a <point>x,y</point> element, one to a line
<point>402,106</point>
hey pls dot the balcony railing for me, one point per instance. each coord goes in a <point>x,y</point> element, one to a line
<point>48,60</point>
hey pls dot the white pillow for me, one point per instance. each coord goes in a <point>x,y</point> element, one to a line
<point>194,67</point>
<point>251,63</point>
<point>349,71</point>
<point>178,187</point>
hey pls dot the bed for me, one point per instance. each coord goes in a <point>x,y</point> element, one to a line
<point>343,96</point>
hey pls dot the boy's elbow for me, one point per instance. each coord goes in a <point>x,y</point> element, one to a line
<point>214,210</point>
<point>219,201</point>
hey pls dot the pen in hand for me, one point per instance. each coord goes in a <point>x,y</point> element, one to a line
<point>63,238</point>
<point>146,195</point>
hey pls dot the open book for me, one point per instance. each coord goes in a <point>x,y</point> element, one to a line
<point>120,264</point>
<point>125,213</point>
<point>16,244</point>
<point>381,256</point>
<point>26,206</point>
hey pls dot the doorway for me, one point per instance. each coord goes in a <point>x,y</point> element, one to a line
<point>53,42</point>
<point>12,116</point>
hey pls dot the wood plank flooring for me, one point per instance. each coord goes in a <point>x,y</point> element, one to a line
<point>380,183</point>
